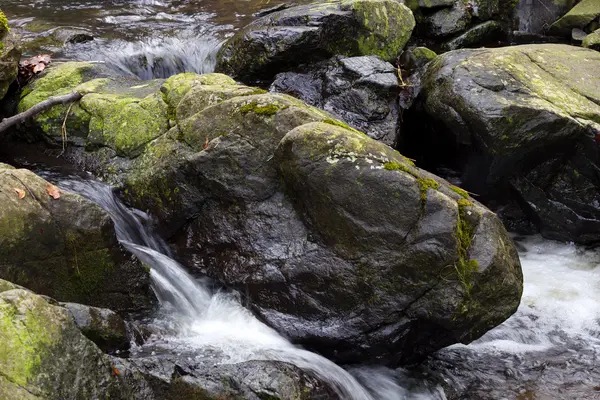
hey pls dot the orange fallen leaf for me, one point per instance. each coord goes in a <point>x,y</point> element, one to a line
<point>115,371</point>
<point>20,192</point>
<point>206,143</point>
<point>53,191</point>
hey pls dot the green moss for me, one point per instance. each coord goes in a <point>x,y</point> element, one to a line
<point>461,192</point>
<point>424,183</point>
<point>464,266</point>
<point>267,109</point>
<point>386,27</point>
<point>125,124</point>
<point>4,28</point>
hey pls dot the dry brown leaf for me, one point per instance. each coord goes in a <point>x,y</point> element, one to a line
<point>206,143</point>
<point>39,68</point>
<point>53,191</point>
<point>20,192</point>
<point>115,371</point>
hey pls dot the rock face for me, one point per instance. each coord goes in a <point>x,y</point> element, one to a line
<point>102,326</point>
<point>65,248</point>
<point>362,91</point>
<point>203,375</point>
<point>282,40</point>
<point>536,16</point>
<point>9,56</point>
<point>337,240</point>
<point>592,41</point>
<point>44,356</point>
<point>578,17</point>
<point>522,124</point>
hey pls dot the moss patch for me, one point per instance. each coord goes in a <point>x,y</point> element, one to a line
<point>464,266</point>
<point>267,109</point>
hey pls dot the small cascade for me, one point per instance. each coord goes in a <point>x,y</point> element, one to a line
<point>216,319</point>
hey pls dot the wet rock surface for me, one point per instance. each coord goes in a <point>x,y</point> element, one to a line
<point>66,247</point>
<point>520,123</point>
<point>361,91</point>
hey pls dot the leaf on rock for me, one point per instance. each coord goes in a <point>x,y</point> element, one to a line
<point>206,143</point>
<point>53,191</point>
<point>20,192</point>
<point>115,371</point>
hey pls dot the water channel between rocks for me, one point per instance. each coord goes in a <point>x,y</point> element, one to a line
<point>549,349</point>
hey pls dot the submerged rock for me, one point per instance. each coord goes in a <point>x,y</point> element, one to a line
<point>336,240</point>
<point>65,248</point>
<point>521,123</point>
<point>282,40</point>
<point>102,326</point>
<point>362,91</point>
<point>44,356</point>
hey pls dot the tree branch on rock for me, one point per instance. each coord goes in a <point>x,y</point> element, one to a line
<point>39,108</point>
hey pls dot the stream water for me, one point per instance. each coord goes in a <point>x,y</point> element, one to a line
<point>550,349</point>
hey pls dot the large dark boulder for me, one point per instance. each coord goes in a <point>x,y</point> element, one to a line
<point>65,248</point>
<point>522,124</point>
<point>282,40</point>
<point>336,240</point>
<point>361,91</point>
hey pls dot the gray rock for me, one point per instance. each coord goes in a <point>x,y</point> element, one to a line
<point>65,248</point>
<point>44,356</point>
<point>489,32</point>
<point>536,16</point>
<point>446,22</point>
<point>522,124</point>
<point>102,326</point>
<point>279,41</point>
<point>361,91</point>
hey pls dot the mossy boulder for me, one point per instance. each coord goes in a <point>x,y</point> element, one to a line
<point>44,356</point>
<point>592,41</point>
<point>578,17</point>
<point>317,223</point>
<point>522,125</point>
<point>65,248</point>
<point>10,54</point>
<point>117,113</point>
<point>278,41</point>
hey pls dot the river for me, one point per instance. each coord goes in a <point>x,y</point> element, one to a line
<point>550,349</point>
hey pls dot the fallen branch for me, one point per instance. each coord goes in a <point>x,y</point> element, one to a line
<point>39,108</point>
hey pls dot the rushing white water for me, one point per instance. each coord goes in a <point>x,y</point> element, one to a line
<point>217,319</point>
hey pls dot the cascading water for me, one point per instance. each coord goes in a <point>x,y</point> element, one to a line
<point>205,318</point>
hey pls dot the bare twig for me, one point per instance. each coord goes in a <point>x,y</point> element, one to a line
<point>63,130</point>
<point>39,108</point>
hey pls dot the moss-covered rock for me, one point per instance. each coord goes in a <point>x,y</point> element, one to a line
<point>10,53</point>
<point>65,248</point>
<point>276,42</point>
<point>525,117</point>
<point>44,356</point>
<point>578,17</point>
<point>592,41</point>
